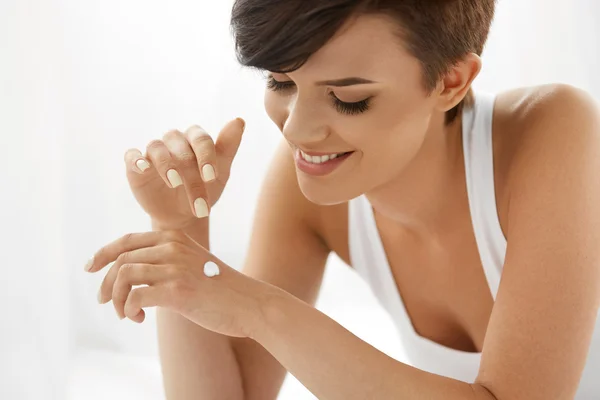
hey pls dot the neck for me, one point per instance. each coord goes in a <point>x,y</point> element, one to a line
<point>425,198</point>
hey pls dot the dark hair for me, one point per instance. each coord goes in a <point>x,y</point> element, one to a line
<point>280,35</point>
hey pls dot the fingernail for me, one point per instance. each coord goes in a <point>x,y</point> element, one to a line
<point>174,178</point>
<point>142,164</point>
<point>208,173</point>
<point>89,264</point>
<point>243,123</point>
<point>201,207</point>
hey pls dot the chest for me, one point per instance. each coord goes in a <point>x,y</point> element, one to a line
<point>442,286</point>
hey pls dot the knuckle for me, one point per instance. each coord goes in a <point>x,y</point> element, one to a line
<point>155,144</point>
<point>179,292</point>
<point>171,273</point>
<point>123,258</point>
<point>195,127</point>
<point>125,271</point>
<point>172,288</point>
<point>187,158</point>
<point>194,131</point>
<point>201,139</point>
<point>171,133</point>
<point>174,247</point>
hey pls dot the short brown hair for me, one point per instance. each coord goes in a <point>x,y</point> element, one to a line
<point>280,35</point>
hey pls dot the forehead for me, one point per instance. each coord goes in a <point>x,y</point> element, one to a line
<point>366,43</point>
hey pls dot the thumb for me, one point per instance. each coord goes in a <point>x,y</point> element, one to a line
<point>229,139</point>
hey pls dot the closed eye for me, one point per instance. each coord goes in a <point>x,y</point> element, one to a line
<point>342,107</point>
<point>277,86</point>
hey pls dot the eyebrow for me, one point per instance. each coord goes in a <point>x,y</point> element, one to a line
<point>346,82</point>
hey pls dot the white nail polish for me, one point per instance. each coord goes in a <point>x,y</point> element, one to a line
<point>88,266</point>
<point>142,164</point>
<point>211,269</point>
<point>208,173</point>
<point>201,208</point>
<point>174,178</point>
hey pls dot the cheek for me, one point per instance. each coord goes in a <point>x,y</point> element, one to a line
<point>392,140</point>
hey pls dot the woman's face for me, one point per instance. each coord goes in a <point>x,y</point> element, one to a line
<point>383,130</point>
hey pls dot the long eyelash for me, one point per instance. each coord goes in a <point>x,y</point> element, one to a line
<point>341,106</point>
<point>274,85</point>
<point>351,108</point>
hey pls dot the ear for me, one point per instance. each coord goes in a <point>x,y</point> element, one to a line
<point>454,86</point>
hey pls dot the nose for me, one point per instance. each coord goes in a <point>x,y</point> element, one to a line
<point>304,123</point>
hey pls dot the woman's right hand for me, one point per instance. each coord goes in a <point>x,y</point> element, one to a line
<point>198,168</point>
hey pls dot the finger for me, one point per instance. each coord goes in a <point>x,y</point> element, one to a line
<point>130,242</point>
<point>160,156</point>
<point>135,161</point>
<point>135,274</point>
<point>139,318</point>
<point>138,298</point>
<point>228,143</point>
<point>204,148</point>
<point>187,165</point>
<point>149,255</point>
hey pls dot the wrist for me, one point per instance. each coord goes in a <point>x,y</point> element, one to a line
<point>197,229</point>
<point>273,308</point>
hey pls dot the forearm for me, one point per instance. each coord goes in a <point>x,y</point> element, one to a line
<point>196,363</point>
<point>335,364</point>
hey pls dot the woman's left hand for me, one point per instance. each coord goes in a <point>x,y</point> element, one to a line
<point>171,264</point>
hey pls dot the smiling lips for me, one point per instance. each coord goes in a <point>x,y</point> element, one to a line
<point>319,164</point>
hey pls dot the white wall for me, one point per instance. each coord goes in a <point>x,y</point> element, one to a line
<point>81,82</point>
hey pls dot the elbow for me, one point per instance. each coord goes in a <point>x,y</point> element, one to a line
<point>481,392</point>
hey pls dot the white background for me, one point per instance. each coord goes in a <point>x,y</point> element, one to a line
<point>83,81</point>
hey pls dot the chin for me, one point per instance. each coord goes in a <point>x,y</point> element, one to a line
<point>328,193</point>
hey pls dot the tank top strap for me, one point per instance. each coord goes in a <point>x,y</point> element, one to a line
<point>479,170</point>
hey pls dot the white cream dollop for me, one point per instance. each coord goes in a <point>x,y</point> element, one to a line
<point>211,269</point>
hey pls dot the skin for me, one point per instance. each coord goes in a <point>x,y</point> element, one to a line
<point>546,143</point>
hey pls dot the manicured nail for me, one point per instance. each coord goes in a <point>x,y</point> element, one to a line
<point>208,173</point>
<point>211,269</point>
<point>243,123</point>
<point>174,178</point>
<point>142,164</point>
<point>89,264</point>
<point>201,207</point>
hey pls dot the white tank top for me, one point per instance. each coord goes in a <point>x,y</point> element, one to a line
<point>368,257</point>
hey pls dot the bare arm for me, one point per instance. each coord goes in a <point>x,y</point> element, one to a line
<point>197,363</point>
<point>541,326</point>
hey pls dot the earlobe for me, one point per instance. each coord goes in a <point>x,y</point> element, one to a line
<point>454,86</point>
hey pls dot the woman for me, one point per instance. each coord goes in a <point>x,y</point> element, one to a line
<point>474,217</point>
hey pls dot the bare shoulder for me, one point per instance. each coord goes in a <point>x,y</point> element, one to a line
<point>530,118</point>
<point>527,119</point>
<point>535,104</point>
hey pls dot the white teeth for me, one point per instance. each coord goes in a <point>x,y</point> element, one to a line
<point>318,159</point>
